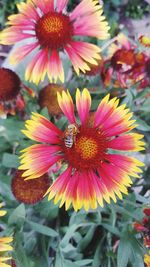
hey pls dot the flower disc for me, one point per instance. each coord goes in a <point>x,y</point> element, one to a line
<point>29,191</point>
<point>53,30</point>
<point>9,84</point>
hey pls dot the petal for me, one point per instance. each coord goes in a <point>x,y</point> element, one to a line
<point>66,104</point>
<point>129,142</point>
<point>58,188</point>
<point>37,68</point>
<point>86,196</point>
<point>45,6</point>
<point>83,104</point>
<point>28,10</point>
<point>37,160</point>
<point>61,4</point>
<point>104,110</point>
<point>55,68</point>
<point>115,180</point>
<point>88,52</point>
<point>111,119</point>
<point>77,62</point>
<point>88,20</point>
<point>129,165</point>
<point>42,130</point>
<point>11,36</point>
<point>21,52</point>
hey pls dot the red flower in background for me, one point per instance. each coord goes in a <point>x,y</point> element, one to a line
<point>125,66</point>
<point>11,97</point>
<point>144,227</point>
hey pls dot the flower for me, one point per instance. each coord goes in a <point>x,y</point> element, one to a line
<point>144,226</point>
<point>125,66</point>
<point>4,245</point>
<point>2,212</point>
<point>48,98</point>
<point>147,259</point>
<point>49,29</point>
<point>144,40</point>
<point>94,69</point>
<point>147,211</point>
<point>93,172</point>
<point>11,98</point>
<point>9,85</point>
<point>29,192</point>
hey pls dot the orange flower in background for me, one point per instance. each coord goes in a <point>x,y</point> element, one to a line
<point>93,172</point>
<point>50,30</point>
<point>11,98</point>
<point>4,245</point>
<point>48,98</point>
<point>29,192</point>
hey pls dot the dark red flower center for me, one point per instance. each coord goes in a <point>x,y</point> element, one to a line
<point>88,150</point>
<point>147,67</point>
<point>29,191</point>
<point>54,30</point>
<point>123,60</point>
<point>9,84</point>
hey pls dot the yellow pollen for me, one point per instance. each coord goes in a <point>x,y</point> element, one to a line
<point>86,147</point>
<point>52,24</point>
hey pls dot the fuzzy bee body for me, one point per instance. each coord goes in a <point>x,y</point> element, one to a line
<point>70,135</point>
<point>69,141</point>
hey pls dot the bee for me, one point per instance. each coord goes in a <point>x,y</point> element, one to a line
<point>70,135</point>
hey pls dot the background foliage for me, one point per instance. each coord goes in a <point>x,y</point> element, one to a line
<point>47,236</point>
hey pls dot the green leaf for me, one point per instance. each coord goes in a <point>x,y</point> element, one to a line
<point>10,160</point>
<point>19,252</point>
<point>96,260</point>
<point>111,228</point>
<point>70,233</point>
<point>136,253</point>
<point>42,229</point>
<point>87,239</point>
<point>83,262</point>
<point>124,252</point>
<point>142,125</point>
<point>18,216</point>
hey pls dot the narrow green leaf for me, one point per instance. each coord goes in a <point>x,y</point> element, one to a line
<point>123,252</point>
<point>42,229</point>
<point>18,215</point>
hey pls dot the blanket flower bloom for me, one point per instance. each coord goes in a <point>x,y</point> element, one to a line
<point>125,66</point>
<point>4,244</point>
<point>29,192</point>
<point>93,172</point>
<point>144,227</point>
<point>11,97</point>
<point>49,29</point>
<point>48,98</point>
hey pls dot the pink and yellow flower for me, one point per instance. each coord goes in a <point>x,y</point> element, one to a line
<point>94,172</point>
<point>49,29</point>
<point>4,244</point>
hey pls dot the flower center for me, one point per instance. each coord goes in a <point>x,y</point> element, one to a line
<point>88,149</point>
<point>9,84</point>
<point>54,30</point>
